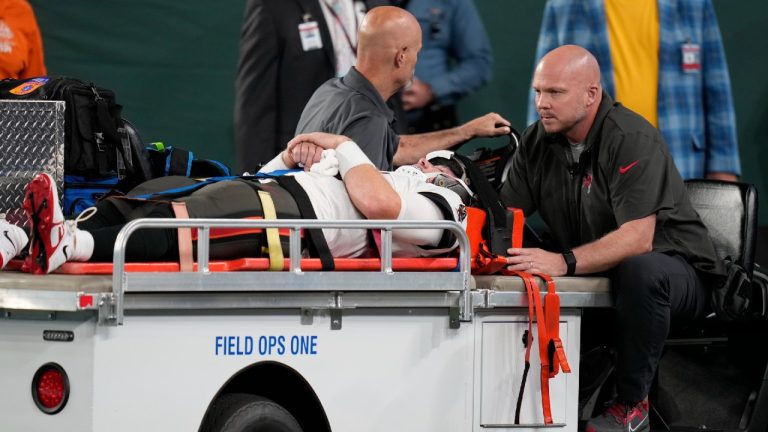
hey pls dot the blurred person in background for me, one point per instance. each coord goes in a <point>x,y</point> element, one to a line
<point>455,61</point>
<point>664,60</point>
<point>21,46</point>
<point>287,50</point>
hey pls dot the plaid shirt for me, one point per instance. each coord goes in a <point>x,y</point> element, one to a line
<point>696,114</point>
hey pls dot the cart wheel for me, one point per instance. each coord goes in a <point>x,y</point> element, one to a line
<point>241,412</point>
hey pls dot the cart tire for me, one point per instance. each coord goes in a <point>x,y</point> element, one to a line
<point>241,412</point>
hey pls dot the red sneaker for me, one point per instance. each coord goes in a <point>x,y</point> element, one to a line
<point>52,242</point>
<point>622,418</point>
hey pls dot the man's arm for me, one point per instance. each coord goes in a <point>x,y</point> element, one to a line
<point>414,147</point>
<point>719,115</point>
<point>368,190</point>
<point>631,238</point>
<point>372,194</point>
<point>256,88</point>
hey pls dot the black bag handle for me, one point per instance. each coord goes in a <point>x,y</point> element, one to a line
<point>106,126</point>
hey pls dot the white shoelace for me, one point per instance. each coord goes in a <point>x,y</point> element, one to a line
<point>82,217</point>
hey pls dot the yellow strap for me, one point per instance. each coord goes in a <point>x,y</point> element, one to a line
<point>273,235</point>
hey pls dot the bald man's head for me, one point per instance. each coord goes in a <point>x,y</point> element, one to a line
<point>572,60</point>
<point>568,91</point>
<point>388,44</point>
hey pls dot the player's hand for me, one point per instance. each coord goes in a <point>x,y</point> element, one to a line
<point>305,154</point>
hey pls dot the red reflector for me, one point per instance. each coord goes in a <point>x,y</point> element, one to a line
<point>50,388</point>
<point>85,301</point>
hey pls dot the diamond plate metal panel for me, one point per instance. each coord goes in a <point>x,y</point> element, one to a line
<point>31,141</point>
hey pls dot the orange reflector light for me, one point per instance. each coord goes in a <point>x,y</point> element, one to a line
<point>50,388</point>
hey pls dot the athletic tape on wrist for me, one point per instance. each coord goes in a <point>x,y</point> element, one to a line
<point>350,156</point>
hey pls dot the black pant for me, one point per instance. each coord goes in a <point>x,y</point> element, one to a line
<point>652,291</point>
<point>149,245</point>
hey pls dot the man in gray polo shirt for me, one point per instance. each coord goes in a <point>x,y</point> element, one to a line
<point>354,105</point>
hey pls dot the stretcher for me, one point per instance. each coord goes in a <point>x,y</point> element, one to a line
<point>448,276</point>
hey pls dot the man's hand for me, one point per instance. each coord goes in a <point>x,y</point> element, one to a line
<point>414,147</point>
<point>630,239</point>
<point>489,125</point>
<point>320,139</point>
<point>306,149</point>
<point>417,95</point>
<point>722,176</point>
<point>534,260</point>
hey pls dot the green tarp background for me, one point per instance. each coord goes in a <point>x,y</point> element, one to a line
<point>172,66</point>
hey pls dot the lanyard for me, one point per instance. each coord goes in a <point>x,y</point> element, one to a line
<point>341,24</point>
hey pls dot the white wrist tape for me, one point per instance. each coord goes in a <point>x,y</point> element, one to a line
<point>350,156</point>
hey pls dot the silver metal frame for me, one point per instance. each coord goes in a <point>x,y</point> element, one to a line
<point>456,290</point>
<point>301,284</point>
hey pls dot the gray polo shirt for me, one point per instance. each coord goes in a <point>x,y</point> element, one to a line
<point>351,106</point>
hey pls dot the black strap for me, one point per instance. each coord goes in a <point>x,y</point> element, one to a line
<point>520,393</point>
<point>100,135</point>
<point>105,124</point>
<point>178,162</point>
<point>316,237</point>
<point>498,229</point>
<point>447,239</point>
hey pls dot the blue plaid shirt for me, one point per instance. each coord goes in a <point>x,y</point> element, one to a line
<point>696,114</point>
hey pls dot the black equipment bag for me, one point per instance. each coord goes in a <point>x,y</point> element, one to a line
<point>96,141</point>
<point>103,152</point>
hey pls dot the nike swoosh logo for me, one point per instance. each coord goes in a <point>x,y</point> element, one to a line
<point>60,227</point>
<point>64,249</point>
<point>635,416</point>
<point>5,233</point>
<point>624,169</point>
<point>633,429</point>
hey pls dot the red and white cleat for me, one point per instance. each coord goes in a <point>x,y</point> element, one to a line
<point>12,241</point>
<point>52,240</point>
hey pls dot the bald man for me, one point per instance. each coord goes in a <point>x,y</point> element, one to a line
<point>389,41</point>
<point>602,179</point>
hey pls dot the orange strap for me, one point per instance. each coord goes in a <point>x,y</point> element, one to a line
<point>483,261</point>
<point>529,287</point>
<point>185,238</point>
<point>555,350</point>
<point>551,350</point>
<point>518,223</point>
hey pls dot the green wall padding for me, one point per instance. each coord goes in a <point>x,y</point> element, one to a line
<point>172,66</point>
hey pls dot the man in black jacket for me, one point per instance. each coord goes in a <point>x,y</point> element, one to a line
<point>602,179</point>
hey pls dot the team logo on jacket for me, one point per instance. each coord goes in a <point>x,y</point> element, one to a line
<point>586,182</point>
<point>461,212</point>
